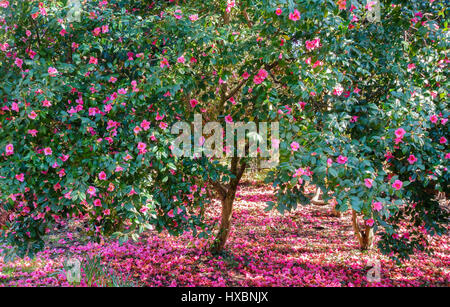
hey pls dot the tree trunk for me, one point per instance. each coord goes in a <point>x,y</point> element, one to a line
<point>365,237</point>
<point>225,222</point>
<point>336,212</point>
<point>227,196</point>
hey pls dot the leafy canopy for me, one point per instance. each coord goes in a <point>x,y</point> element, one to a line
<point>87,106</point>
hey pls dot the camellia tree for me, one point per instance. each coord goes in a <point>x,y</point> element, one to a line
<point>89,93</point>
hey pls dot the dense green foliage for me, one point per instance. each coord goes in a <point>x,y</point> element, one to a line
<point>354,99</point>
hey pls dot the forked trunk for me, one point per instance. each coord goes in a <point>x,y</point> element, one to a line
<point>227,195</point>
<point>365,237</point>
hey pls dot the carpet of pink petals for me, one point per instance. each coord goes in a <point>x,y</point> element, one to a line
<point>307,247</point>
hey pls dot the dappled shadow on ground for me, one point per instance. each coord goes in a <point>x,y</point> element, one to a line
<point>306,247</point>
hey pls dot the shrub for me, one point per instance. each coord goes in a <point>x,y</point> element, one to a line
<point>87,108</point>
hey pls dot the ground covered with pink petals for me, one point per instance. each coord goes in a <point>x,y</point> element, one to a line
<point>307,247</point>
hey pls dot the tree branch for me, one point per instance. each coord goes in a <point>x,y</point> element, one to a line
<point>220,189</point>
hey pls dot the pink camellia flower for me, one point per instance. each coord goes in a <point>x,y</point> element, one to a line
<point>105,29</point>
<point>341,160</point>
<point>338,90</point>
<point>230,4</point>
<point>20,177</point>
<point>48,151</point>
<point>102,176</point>
<point>18,62</point>
<point>263,73</point>
<point>9,150</point>
<point>122,91</point>
<point>62,172</point>
<point>342,4</point>
<point>313,44</point>
<point>164,63</point>
<point>93,60</point>
<point>443,140</point>
<point>97,202</point>
<point>411,66</point>
<point>163,125</point>
<point>377,206</point>
<point>278,11</point>
<point>299,172</point>
<point>400,132</point>
<point>434,119</point>
<point>141,146</point>
<point>107,212</point>
<point>193,103</point>
<point>412,159</point>
<point>368,182</point>
<point>159,117</point>
<point>67,195</point>
<point>15,107</point>
<point>295,15</point>
<point>32,115</point>
<point>398,141</point>
<point>329,162</point>
<point>370,222</point>
<point>97,31</point>
<point>170,213</point>
<point>257,79</point>
<point>177,14</point>
<point>33,132</point>
<point>444,121</point>
<point>126,158</point>
<point>181,59</point>
<point>145,125</point>
<point>52,71</point>
<point>245,75</point>
<point>295,146</point>
<point>261,76</point>
<point>397,184</point>
<point>91,191</point>
<point>193,17</point>
<point>335,91</point>
<point>228,119</point>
